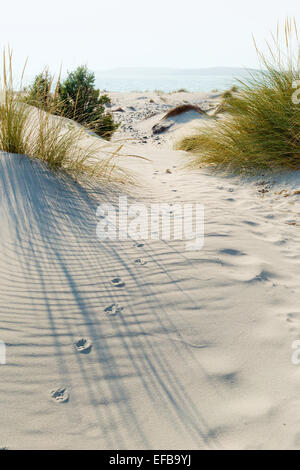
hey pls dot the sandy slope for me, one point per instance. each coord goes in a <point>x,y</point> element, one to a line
<point>200,354</point>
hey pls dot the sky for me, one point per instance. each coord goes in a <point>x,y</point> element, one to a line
<point>139,33</point>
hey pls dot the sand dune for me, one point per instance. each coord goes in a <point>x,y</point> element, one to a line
<point>145,345</point>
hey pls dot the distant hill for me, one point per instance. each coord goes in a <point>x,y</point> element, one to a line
<point>126,79</point>
<point>138,71</point>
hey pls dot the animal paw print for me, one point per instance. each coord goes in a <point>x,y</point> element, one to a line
<point>83,346</point>
<point>60,395</point>
<point>117,282</point>
<point>113,309</point>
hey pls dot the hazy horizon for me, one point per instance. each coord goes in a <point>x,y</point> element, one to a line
<point>175,69</point>
<point>128,79</point>
<point>133,34</point>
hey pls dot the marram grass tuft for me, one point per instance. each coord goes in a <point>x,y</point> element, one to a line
<point>260,128</point>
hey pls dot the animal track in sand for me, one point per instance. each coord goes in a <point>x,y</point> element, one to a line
<point>117,282</point>
<point>83,346</point>
<point>60,395</point>
<point>228,379</point>
<point>113,309</point>
<point>140,261</point>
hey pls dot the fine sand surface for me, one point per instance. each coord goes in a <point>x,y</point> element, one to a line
<point>197,355</point>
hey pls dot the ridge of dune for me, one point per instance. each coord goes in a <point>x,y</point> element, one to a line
<point>182,350</point>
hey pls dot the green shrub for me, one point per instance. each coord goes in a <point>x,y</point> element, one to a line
<point>75,98</point>
<point>38,93</point>
<point>84,104</point>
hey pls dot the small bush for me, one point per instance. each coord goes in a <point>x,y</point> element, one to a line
<point>227,94</point>
<point>39,92</point>
<point>262,126</point>
<point>75,98</point>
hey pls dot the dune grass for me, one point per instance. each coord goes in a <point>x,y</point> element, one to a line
<point>13,113</point>
<point>260,128</point>
<point>55,140</point>
<point>228,93</point>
